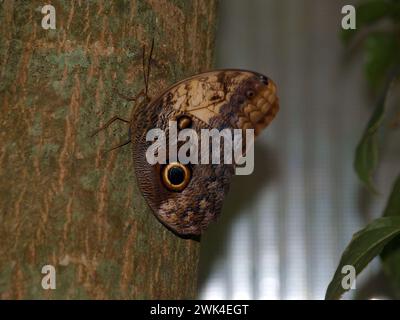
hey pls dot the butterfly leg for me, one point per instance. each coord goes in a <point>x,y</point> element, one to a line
<point>146,75</point>
<point>109,122</point>
<point>118,145</point>
<point>134,98</point>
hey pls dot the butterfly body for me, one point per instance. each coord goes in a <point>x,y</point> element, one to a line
<point>233,99</point>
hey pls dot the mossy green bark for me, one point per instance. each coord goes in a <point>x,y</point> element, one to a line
<point>61,202</point>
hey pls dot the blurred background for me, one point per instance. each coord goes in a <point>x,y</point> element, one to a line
<point>284,228</point>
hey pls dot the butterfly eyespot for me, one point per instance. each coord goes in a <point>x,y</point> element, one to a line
<point>250,93</point>
<point>175,176</point>
<point>184,122</point>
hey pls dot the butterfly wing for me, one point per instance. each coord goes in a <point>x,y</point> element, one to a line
<point>233,99</point>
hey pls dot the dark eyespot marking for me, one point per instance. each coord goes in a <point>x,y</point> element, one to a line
<point>175,176</point>
<point>250,93</point>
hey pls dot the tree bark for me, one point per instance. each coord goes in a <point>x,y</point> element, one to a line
<point>61,202</point>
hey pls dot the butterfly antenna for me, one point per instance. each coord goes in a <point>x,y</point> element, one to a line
<point>144,68</point>
<point>149,64</point>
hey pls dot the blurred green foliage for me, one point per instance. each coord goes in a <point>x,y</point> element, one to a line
<point>364,246</point>
<point>378,32</point>
<point>391,253</point>
<point>382,52</point>
<point>378,26</point>
<point>370,12</point>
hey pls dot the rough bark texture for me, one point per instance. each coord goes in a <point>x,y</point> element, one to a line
<point>62,202</point>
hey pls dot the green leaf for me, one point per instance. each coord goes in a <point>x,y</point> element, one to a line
<point>393,205</point>
<point>394,11</point>
<point>364,246</point>
<point>382,52</point>
<point>391,254</point>
<point>366,158</point>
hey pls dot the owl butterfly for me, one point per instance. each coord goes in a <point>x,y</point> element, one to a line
<point>186,198</point>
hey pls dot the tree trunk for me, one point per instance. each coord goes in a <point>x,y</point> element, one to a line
<point>63,203</point>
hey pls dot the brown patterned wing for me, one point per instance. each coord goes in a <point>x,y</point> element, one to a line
<point>240,99</point>
<point>220,99</point>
